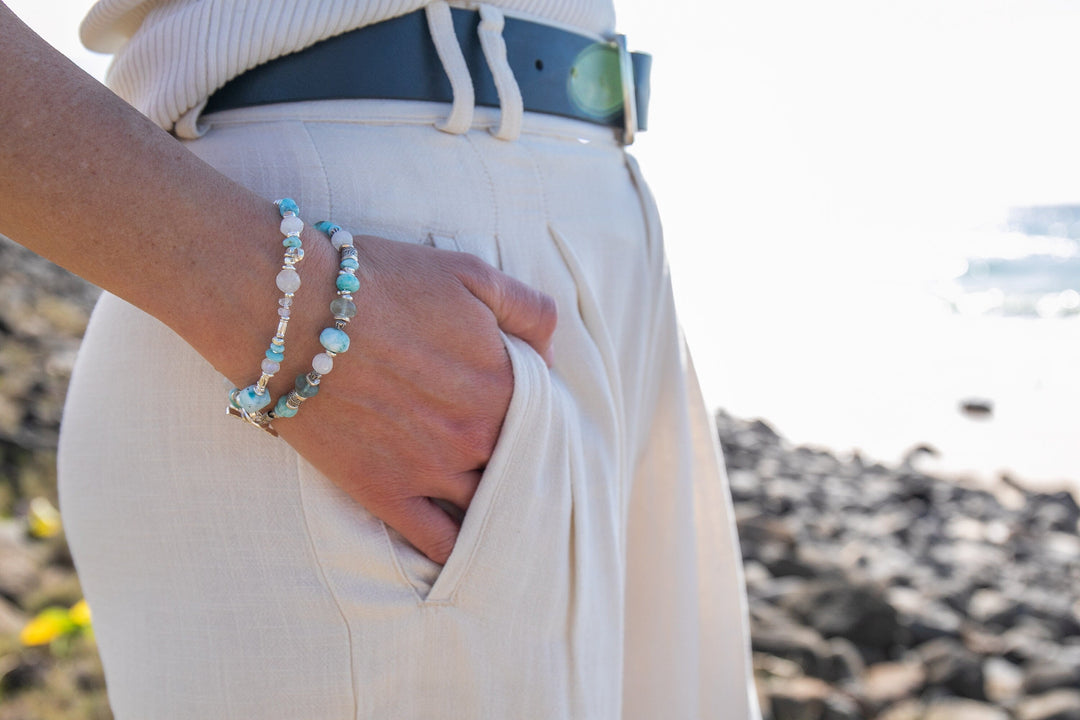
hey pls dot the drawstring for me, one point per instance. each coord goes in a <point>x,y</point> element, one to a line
<point>441,25</point>
<point>510,103</point>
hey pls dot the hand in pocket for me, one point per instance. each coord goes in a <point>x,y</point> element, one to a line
<point>412,412</point>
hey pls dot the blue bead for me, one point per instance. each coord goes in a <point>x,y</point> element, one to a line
<point>247,399</point>
<point>304,387</point>
<point>282,408</point>
<point>292,241</point>
<point>275,356</point>
<point>348,283</point>
<point>349,263</point>
<point>288,205</point>
<point>327,227</point>
<point>334,340</point>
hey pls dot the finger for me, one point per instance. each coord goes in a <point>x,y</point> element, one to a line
<point>425,525</point>
<point>519,309</point>
<point>458,489</point>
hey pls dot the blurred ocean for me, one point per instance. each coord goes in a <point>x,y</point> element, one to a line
<point>1027,266</point>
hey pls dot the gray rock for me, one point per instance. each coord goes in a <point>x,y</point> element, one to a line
<point>955,709</point>
<point>858,613</point>
<point>952,666</point>
<point>1056,705</point>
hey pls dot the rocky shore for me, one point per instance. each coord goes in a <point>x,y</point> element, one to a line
<point>875,592</point>
<point>886,593</point>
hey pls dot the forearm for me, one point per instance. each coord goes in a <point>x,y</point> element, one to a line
<point>94,186</point>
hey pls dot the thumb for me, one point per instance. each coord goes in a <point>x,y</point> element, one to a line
<point>518,309</point>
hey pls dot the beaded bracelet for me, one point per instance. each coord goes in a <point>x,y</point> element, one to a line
<point>248,403</point>
<point>333,339</point>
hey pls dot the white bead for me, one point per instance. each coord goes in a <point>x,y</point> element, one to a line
<point>291,225</point>
<point>270,367</point>
<point>322,363</point>
<point>288,281</point>
<point>283,312</point>
<point>285,302</point>
<point>341,238</point>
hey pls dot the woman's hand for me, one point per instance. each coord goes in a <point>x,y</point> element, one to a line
<point>412,411</point>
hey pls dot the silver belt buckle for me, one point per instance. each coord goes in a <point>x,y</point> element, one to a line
<point>629,94</point>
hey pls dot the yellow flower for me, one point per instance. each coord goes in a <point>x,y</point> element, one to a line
<point>44,519</point>
<point>80,613</point>
<point>49,624</point>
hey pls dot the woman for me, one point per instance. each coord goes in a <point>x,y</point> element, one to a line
<point>324,573</point>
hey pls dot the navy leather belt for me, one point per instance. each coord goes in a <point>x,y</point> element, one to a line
<point>559,72</point>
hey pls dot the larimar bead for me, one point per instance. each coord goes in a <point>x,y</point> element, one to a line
<point>341,238</point>
<point>327,227</point>
<point>342,308</point>
<point>282,409</point>
<point>322,363</point>
<point>291,225</point>
<point>251,401</point>
<point>349,264</point>
<point>292,241</point>
<point>348,283</point>
<point>334,340</point>
<point>288,205</point>
<point>288,281</point>
<point>274,356</point>
<point>304,387</point>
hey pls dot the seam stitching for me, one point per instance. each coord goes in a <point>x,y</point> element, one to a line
<point>329,588</point>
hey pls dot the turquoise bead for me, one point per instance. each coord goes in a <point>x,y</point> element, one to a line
<point>304,387</point>
<point>282,408</point>
<point>327,227</point>
<point>288,205</point>
<point>349,264</point>
<point>348,283</point>
<point>334,340</point>
<point>275,356</point>
<point>247,399</point>
<point>292,241</point>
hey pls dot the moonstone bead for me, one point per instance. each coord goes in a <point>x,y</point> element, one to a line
<point>285,302</point>
<point>250,400</point>
<point>288,205</point>
<point>348,283</point>
<point>282,408</point>
<point>342,238</point>
<point>290,225</point>
<point>270,367</point>
<point>342,308</point>
<point>322,363</point>
<point>334,340</point>
<point>288,281</point>
<point>284,312</point>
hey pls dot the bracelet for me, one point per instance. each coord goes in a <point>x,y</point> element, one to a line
<point>248,403</point>
<point>333,339</point>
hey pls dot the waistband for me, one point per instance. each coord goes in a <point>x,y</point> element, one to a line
<point>558,72</point>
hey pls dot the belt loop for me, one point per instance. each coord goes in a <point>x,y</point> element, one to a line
<point>511,107</point>
<point>441,27</point>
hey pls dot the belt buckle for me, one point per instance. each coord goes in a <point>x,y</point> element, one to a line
<point>629,95</point>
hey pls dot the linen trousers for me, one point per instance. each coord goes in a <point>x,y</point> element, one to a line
<point>597,573</point>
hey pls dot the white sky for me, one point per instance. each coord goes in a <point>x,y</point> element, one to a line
<point>796,144</point>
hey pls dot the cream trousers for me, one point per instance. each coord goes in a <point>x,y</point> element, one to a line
<point>597,573</point>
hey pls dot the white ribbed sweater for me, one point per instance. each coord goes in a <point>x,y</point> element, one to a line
<point>171,55</point>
